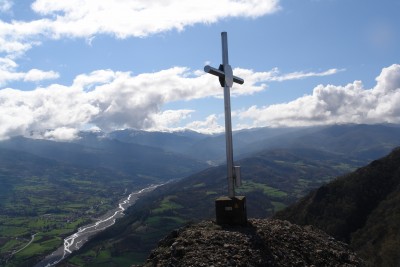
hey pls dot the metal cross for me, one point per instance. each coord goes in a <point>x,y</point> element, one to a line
<point>226,79</point>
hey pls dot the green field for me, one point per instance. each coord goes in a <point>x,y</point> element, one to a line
<point>51,206</point>
<point>249,186</point>
<point>161,218</point>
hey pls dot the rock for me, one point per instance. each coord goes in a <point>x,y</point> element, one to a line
<point>260,243</point>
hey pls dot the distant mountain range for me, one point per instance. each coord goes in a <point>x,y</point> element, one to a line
<point>367,142</point>
<point>95,151</point>
<point>361,208</point>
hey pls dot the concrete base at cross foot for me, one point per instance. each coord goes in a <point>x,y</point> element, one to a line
<point>231,211</point>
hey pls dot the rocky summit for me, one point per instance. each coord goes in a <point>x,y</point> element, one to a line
<point>263,242</point>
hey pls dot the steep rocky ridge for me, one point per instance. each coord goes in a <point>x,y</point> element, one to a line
<point>362,208</point>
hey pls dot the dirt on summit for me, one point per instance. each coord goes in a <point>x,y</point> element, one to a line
<point>263,242</point>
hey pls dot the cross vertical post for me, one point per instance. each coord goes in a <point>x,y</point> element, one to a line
<point>226,79</point>
<point>228,120</point>
<point>232,209</point>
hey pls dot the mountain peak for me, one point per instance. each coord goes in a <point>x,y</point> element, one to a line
<point>262,242</point>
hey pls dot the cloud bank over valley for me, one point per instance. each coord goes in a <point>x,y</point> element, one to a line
<point>107,100</point>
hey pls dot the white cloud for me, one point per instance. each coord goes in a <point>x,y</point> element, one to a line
<point>336,104</point>
<point>22,112</point>
<point>122,18</point>
<point>61,134</point>
<point>256,81</point>
<point>8,73</point>
<point>113,100</point>
<point>94,78</point>
<point>18,37</point>
<point>140,18</point>
<point>169,119</point>
<point>35,75</point>
<point>5,6</point>
<point>209,125</point>
<point>7,64</point>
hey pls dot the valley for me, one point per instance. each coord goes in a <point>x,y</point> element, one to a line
<point>192,199</point>
<point>50,189</point>
<point>50,201</point>
<point>75,241</point>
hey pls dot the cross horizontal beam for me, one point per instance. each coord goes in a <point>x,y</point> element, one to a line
<point>220,73</point>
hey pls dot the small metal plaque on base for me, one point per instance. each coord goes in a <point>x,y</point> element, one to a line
<point>231,211</point>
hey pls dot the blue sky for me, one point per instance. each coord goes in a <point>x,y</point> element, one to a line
<point>76,65</point>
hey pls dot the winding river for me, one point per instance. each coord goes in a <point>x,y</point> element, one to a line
<point>75,241</point>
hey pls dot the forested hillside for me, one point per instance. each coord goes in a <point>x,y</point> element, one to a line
<point>362,208</point>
